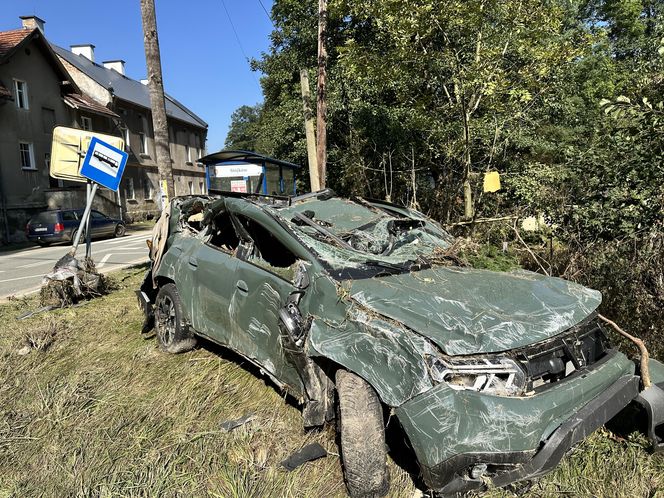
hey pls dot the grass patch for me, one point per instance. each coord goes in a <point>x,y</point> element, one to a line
<point>94,409</point>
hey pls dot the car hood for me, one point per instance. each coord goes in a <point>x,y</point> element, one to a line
<point>469,311</point>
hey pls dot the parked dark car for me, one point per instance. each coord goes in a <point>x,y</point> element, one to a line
<point>61,225</point>
<point>493,376</point>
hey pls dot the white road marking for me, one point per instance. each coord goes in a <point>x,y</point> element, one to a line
<point>21,278</point>
<point>125,240</point>
<point>32,265</point>
<point>32,290</point>
<point>103,260</point>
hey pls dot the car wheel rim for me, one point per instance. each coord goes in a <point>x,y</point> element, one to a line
<point>166,320</point>
<point>119,231</point>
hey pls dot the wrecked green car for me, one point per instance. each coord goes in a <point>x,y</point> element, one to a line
<point>357,309</point>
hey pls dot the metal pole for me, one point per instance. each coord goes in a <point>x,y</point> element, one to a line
<point>84,219</point>
<point>88,235</point>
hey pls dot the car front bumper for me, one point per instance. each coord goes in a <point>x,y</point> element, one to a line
<point>464,439</point>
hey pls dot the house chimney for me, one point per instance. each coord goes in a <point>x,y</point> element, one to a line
<point>87,51</point>
<point>32,22</point>
<point>117,65</point>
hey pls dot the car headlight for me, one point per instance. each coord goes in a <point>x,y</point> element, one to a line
<point>499,375</point>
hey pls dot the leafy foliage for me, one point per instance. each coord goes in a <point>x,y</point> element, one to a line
<point>563,98</point>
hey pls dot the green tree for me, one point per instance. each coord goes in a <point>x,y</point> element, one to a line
<point>244,128</point>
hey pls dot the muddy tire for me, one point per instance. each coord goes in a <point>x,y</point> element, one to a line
<point>362,436</point>
<point>173,333</point>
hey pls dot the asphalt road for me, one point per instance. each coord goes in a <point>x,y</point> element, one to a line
<point>21,271</point>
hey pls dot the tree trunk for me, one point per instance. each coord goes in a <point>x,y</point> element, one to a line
<point>156,87</point>
<point>321,128</point>
<point>309,131</point>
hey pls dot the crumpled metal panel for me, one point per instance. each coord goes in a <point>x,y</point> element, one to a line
<point>383,352</point>
<point>467,311</point>
<point>443,422</point>
<point>388,357</point>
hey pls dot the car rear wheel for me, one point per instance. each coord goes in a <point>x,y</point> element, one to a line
<point>120,230</point>
<point>173,333</point>
<point>73,237</point>
<point>362,435</point>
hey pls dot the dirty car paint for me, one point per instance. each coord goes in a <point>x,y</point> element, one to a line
<point>466,311</point>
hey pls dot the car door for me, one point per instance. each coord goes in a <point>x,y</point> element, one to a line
<point>100,225</point>
<point>262,282</point>
<point>207,266</point>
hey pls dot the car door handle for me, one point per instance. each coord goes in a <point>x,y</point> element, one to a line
<point>193,261</point>
<point>242,286</point>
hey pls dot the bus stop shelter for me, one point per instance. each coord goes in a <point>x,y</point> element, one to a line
<point>249,172</point>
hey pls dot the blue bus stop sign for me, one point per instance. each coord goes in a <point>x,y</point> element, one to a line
<point>104,164</point>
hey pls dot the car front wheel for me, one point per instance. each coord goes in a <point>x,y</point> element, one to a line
<point>362,436</point>
<point>173,333</point>
<point>120,230</point>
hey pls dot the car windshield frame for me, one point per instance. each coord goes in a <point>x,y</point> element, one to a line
<point>342,260</point>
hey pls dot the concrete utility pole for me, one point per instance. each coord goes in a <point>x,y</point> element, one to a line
<point>309,131</point>
<point>321,127</point>
<point>156,86</point>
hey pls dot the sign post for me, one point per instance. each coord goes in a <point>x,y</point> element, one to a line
<point>103,165</point>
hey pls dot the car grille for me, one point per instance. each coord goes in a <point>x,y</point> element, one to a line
<point>563,356</point>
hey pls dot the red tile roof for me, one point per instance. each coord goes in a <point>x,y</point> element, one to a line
<point>9,39</point>
<point>78,101</point>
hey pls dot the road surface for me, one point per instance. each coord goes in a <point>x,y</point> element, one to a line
<point>21,271</point>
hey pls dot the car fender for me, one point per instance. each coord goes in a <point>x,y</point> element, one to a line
<point>385,354</point>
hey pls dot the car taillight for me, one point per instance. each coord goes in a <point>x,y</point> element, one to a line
<point>59,227</point>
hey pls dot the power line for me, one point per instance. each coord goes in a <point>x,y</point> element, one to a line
<point>237,38</point>
<point>266,12</point>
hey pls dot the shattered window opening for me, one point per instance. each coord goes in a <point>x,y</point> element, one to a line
<point>266,246</point>
<point>222,233</point>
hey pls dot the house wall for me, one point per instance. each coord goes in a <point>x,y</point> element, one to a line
<point>87,85</point>
<point>23,190</point>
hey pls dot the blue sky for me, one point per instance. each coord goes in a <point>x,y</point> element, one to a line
<point>204,67</point>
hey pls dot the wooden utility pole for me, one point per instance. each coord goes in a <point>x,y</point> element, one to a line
<point>321,125</point>
<point>156,86</point>
<point>309,131</point>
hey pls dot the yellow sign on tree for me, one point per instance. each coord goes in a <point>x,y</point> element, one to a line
<point>491,181</point>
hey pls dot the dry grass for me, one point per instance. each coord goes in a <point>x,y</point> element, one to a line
<point>95,410</point>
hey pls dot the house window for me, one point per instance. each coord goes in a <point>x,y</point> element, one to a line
<point>199,149</point>
<point>143,136</point>
<point>86,123</point>
<point>126,139</point>
<point>48,119</point>
<point>21,90</point>
<point>202,187</point>
<point>130,194</point>
<point>147,189</point>
<point>188,152</point>
<point>27,155</point>
<point>191,188</point>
